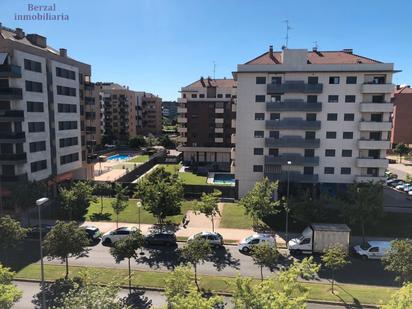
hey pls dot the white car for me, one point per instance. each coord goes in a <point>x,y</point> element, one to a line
<point>400,186</point>
<point>407,188</point>
<point>372,249</point>
<point>214,239</point>
<point>246,244</point>
<point>111,237</point>
<point>410,192</point>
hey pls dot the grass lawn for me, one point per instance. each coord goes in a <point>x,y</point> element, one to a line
<point>186,177</point>
<point>130,214</point>
<point>234,217</point>
<point>139,159</point>
<point>317,291</point>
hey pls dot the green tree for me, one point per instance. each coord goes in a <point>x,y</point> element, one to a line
<point>66,240</point>
<point>179,281</point>
<point>125,248</point>
<point>408,178</point>
<point>9,294</point>
<point>195,252</point>
<point>259,202</point>
<point>120,202</point>
<point>363,204</point>
<point>399,259</point>
<point>264,255</point>
<point>137,142</point>
<point>101,189</point>
<point>11,233</point>
<point>24,194</point>
<point>209,205</point>
<point>401,150</point>
<point>166,142</point>
<point>76,199</point>
<point>194,299</point>
<point>151,140</point>
<point>161,194</point>
<point>401,299</point>
<point>308,209</point>
<point>335,257</point>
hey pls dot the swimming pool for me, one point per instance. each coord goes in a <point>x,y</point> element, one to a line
<point>118,157</point>
<point>224,179</point>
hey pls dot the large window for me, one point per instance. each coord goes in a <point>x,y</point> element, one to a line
<point>330,135</point>
<point>36,126</point>
<point>329,170</point>
<point>313,80</point>
<point>69,141</point>
<point>258,168</point>
<point>351,79</point>
<point>332,117</point>
<point>260,80</point>
<point>33,107</point>
<point>346,153</point>
<point>350,99</point>
<point>31,65</point>
<point>334,80</point>
<point>258,151</point>
<point>349,117</point>
<point>259,134</point>
<point>60,72</point>
<point>73,157</point>
<point>345,170</point>
<point>38,166</point>
<point>259,116</point>
<point>347,135</point>
<point>260,98</point>
<point>67,91</point>
<point>37,146</point>
<point>67,125</point>
<point>34,86</point>
<point>333,98</point>
<point>67,108</point>
<point>329,152</point>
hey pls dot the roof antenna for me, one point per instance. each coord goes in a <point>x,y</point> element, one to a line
<point>287,32</point>
<point>315,46</point>
<point>214,69</point>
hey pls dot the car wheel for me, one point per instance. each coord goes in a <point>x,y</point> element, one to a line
<point>245,249</point>
<point>107,242</point>
<point>364,257</point>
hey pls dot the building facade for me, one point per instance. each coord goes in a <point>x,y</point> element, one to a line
<point>149,114</point>
<point>169,110</point>
<point>41,101</point>
<point>402,116</point>
<point>320,117</point>
<point>205,115</point>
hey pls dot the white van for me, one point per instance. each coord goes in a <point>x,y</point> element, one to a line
<point>375,249</point>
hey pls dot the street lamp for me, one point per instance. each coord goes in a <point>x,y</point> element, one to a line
<point>287,203</point>
<point>139,205</point>
<point>41,202</point>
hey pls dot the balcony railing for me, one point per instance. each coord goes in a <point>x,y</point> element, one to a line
<point>293,124</point>
<point>13,157</point>
<point>9,137</point>
<point>10,71</point>
<point>13,178</point>
<point>293,177</point>
<point>11,115</point>
<point>368,178</point>
<point>370,107</point>
<point>372,162</point>
<point>294,87</point>
<point>293,105</point>
<point>11,94</point>
<point>373,144</point>
<point>292,142</point>
<point>377,88</point>
<point>296,159</point>
<point>375,125</point>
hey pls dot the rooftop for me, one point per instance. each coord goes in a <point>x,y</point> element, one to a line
<point>210,82</point>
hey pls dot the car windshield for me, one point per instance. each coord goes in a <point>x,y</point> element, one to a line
<point>301,238</point>
<point>249,238</point>
<point>365,246</point>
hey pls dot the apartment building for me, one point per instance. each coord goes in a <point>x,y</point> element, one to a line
<point>321,117</point>
<point>169,110</point>
<point>402,116</point>
<point>149,114</point>
<point>205,115</point>
<point>118,111</point>
<point>41,100</point>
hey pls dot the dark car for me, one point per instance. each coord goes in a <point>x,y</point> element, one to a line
<point>165,239</point>
<point>34,231</point>
<point>93,233</point>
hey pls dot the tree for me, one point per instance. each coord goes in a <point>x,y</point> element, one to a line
<point>401,299</point>
<point>408,178</point>
<point>137,142</point>
<point>363,204</point>
<point>264,255</point>
<point>195,252</point>
<point>151,140</point>
<point>161,194</point>
<point>259,202</point>
<point>399,259</point>
<point>120,202</point>
<point>76,199</point>
<point>308,209</point>
<point>125,248</point>
<point>9,294</point>
<point>66,240</point>
<point>166,142</point>
<point>101,189</point>
<point>194,299</point>
<point>209,205</point>
<point>401,150</point>
<point>11,233</point>
<point>335,257</point>
<point>25,193</point>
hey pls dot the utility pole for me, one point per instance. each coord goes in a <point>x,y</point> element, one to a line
<point>214,70</point>
<point>287,32</point>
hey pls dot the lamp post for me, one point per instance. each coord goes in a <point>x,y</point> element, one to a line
<point>287,203</point>
<point>40,202</point>
<point>139,205</point>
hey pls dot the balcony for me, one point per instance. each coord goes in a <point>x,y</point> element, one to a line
<point>182,110</point>
<point>368,178</point>
<point>373,144</point>
<point>219,120</point>
<point>293,106</point>
<point>181,119</point>
<point>375,126</point>
<point>181,130</point>
<point>293,124</point>
<point>219,110</point>
<point>376,107</point>
<point>296,159</point>
<point>292,142</point>
<point>377,88</point>
<point>11,115</point>
<point>12,137</point>
<point>218,130</point>
<point>182,139</point>
<point>218,139</point>
<point>13,178</point>
<point>11,94</point>
<point>232,138</point>
<point>10,71</point>
<point>294,87</point>
<point>372,162</point>
<point>233,123</point>
<point>13,158</point>
<point>233,107</point>
<point>232,153</point>
<point>293,177</point>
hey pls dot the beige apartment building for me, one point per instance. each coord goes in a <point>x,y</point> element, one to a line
<point>321,117</point>
<point>149,114</point>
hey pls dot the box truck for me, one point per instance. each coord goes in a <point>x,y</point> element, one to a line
<point>317,237</point>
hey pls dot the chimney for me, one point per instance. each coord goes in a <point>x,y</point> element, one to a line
<point>271,50</point>
<point>19,33</point>
<point>63,52</point>
<point>37,40</point>
<point>315,49</point>
<point>202,81</point>
<point>348,50</point>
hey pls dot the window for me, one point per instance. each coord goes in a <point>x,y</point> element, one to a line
<point>329,152</point>
<point>333,98</point>
<point>349,117</point>
<point>67,91</point>
<point>274,134</point>
<point>350,99</point>
<point>64,73</point>
<point>67,142</point>
<point>378,99</point>
<point>330,135</point>
<point>274,116</point>
<point>36,127</point>
<point>310,117</point>
<point>201,95</point>
<point>313,80</point>
<point>275,98</point>
<point>273,152</point>
<point>260,80</point>
<point>258,151</point>
<point>376,117</point>
<point>31,65</point>
<point>308,170</point>
<point>310,135</point>
<point>346,153</point>
<point>259,134</point>
<point>345,170</point>
<point>260,98</point>
<point>194,95</point>
<point>33,107</point>
<point>34,86</point>
<point>259,116</point>
<point>38,166</point>
<point>332,117</point>
<point>329,170</point>
<point>375,136</point>
<point>220,95</point>
<point>67,125</point>
<point>73,157</point>
<point>67,108</point>
<point>37,146</point>
<point>372,171</point>
<point>258,168</point>
<point>334,80</point>
<point>347,135</point>
<point>312,98</point>
<point>228,95</point>
<point>309,153</point>
<point>184,95</point>
<point>276,80</point>
<point>351,79</point>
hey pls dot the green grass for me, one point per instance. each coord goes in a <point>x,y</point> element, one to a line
<point>317,291</point>
<point>186,177</point>
<point>130,214</point>
<point>139,159</point>
<point>234,217</point>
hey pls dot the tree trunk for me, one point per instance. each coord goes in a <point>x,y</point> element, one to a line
<point>213,225</point>
<point>101,204</point>
<point>130,279</point>
<point>117,220</point>
<point>333,279</point>
<point>261,273</point>
<point>363,231</point>
<point>67,268</point>
<point>197,285</point>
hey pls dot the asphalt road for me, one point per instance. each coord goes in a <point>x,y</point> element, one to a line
<point>157,299</point>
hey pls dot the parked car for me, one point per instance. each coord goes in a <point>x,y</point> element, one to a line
<point>400,185</point>
<point>34,230</point>
<point>391,180</point>
<point>407,187</point>
<point>372,249</point>
<point>93,233</point>
<point>410,192</point>
<point>111,237</point>
<point>213,238</point>
<point>247,244</point>
<point>395,183</point>
<point>165,239</point>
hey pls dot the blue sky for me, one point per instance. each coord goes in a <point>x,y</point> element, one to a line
<point>162,45</point>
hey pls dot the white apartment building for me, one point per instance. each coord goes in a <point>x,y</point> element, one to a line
<point>323,117</point>
<point>40,109</point>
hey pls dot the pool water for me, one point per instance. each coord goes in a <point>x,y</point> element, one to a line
<point>118,157</point>
<point>226,179</point>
